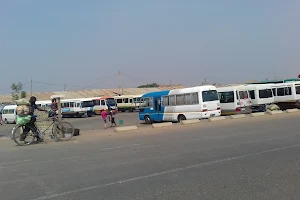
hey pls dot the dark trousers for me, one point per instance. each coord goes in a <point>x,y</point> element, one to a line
<point>31,124</point>
<point>113,121</point>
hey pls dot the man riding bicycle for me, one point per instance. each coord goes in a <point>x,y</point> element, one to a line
<point>32,107</point>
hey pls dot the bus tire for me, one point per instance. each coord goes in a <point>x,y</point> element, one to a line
<point>147,119</point>
<point>181,118</point>
<point>78,115</point>
<point>5,121</point>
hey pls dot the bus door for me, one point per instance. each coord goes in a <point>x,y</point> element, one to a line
<point>158,110</point>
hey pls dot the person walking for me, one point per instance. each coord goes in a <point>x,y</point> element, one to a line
<point>104,117</point>
<point>112,118</point>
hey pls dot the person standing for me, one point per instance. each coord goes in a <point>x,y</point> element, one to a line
<point>104,117</point>
<point>112,118</point>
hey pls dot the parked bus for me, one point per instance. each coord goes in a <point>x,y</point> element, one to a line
<point>180,104</point>
<point>87,105</point>
<point>9,114</point>
<point>128,102</point>
<point>234,100</point>
<point>287,95</point>
<point>72,108</point>
<point>261,96</point>
<point>43,104</point>
<point>104,103</point>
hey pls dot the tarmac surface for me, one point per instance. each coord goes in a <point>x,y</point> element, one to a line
<point>252,158</point>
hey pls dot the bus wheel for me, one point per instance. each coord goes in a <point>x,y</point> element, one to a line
<point>181,118</point>
<point>5,121</point>
<point>147,119</point>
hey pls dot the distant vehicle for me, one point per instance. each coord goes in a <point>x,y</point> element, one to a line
<point>104,103</point>
<point>86,104</point>
<point>9,114</point>
<point>43,104</point>
<point>128,102</point>
<point>234,100</point>
<point>287,95</point>
<point>261,96</point>
<point>180,104</point>
<point>72,108</point>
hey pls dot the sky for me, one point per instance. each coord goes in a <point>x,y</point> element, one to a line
<point>84,44</point>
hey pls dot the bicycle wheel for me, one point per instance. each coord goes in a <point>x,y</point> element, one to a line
<point>19,130</point>
<point>63,131</point>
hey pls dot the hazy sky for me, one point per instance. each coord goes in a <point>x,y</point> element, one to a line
<point>227,41</point>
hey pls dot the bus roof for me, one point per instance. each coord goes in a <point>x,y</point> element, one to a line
<point>276,81</point>
<point>104,97</point>
<point>128,96</point>
<point>10,106</point>
<point>156,94</point>
<point>231,88</point>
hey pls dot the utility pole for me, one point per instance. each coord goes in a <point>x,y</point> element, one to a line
<point>120,82</point>
<point>31,85</point>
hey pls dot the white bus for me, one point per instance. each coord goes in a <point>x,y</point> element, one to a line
<point>9,114</point>
<point>180,104</point>
<point>104,103</point>
<point>287,95</point>
<point>43,104</point>
<point>128,102</point>
<point>86,104</point>
<point>261,96</point>
<point>234,100</point>
<point>72,108</point>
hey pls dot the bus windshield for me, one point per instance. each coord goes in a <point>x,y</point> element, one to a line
<point>146,102</point>
<point>110,102</point>
<point>86,104</point>
<point>211,95</point>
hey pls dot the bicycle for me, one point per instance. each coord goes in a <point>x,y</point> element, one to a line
<point>59,132</point>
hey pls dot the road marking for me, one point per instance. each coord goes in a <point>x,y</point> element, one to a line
<point>15,162</point>
<point>154,157</point>
<point>70,158</point>
<point>165,172</point>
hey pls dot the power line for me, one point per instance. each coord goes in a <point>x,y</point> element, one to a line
<point>55,84</point>
<point>10,87</point>
<point>99,82</point>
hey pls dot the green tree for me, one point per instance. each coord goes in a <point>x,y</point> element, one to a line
<point>17,91</point>
<point>151,85</point>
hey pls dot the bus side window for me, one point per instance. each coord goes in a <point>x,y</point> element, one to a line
<point>102,103</point>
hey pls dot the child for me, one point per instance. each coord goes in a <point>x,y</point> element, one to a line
<point>112,118</point>
<point>104,117</point>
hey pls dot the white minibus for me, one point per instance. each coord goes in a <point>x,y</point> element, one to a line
<point>9,114</point>
<point>234,100</point>
<point>287,95</point>
<point>261,95</point>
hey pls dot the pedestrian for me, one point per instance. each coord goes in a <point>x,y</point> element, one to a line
<point>104,117</point>
<point>112,118</point>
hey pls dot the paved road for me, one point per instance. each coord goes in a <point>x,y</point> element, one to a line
<point>257,158</point>
<point>88,123</point>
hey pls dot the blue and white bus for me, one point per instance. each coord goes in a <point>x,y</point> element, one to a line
<point>180,104</point>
